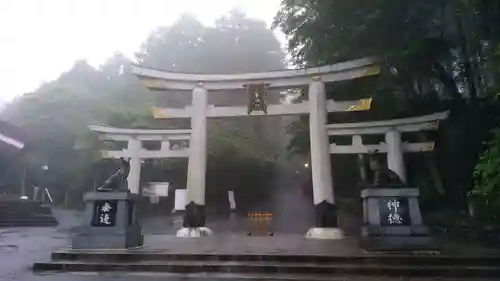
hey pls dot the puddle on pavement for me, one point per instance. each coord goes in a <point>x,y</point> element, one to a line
<point>12,230</point>
<point>8,248</point>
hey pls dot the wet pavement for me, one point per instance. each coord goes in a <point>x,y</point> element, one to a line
<point>21,247</point>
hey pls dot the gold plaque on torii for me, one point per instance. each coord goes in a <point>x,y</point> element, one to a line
<point>257,97</point>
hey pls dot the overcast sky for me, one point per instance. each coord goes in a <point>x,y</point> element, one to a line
<point>39,39</point>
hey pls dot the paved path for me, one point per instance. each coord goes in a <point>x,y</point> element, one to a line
<point>241,244</point>
<point>20,247</point>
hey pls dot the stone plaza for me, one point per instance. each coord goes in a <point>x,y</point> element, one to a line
<point>111,237</point>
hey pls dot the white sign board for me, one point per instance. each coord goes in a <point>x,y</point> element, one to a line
<point>161,188</point>
<point>156,189</point>
<point>180,199</point>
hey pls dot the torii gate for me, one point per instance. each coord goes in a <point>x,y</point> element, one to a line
<point>135,150</point>
<point>393,145</point>
<point>317,107</point>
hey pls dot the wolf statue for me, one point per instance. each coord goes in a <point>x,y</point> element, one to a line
<point>117,181</point>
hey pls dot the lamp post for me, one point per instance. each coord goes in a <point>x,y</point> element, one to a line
<point>45,168</point>
<point>23,185</point>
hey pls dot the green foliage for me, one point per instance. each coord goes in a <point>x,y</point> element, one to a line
<point>58,113</point>
<point>404,33</point>
<point>326,31</point>
<point>237,44</point>
<point>436,54</point>
<point>235,165</point>
<point>486,191</point>
<point>443,49</point>
<point>300,142</point>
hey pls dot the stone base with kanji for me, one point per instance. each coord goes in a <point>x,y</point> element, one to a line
<point>110,222</point>
<point>392,220</point>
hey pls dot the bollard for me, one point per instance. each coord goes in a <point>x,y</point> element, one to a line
<point>260,223</point>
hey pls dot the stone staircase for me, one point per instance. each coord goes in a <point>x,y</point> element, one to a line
<point>276,266</point>
<point>25,213</point>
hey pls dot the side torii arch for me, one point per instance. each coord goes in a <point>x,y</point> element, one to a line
<point>393,146</point>
<point>135,150</point>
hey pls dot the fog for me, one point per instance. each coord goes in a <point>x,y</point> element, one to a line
<point>42,39</point>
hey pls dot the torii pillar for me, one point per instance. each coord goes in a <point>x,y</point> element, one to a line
<point>194,218</point>
<point>134,176</point>
<point>323,196</point>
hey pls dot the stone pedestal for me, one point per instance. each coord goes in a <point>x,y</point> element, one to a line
<point>110,222</point>
<point>392,220</point>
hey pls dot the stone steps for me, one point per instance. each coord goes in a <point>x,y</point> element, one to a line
<point>394,259</point>
<point>369,266</point>
<point>156,276</point>
<point>20,213</point>
<point>29,223</point>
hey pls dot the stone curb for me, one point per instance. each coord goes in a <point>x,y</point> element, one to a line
<point>275,268</point>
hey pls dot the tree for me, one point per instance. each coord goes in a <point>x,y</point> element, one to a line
<point>405,32</point>
<point>436,55</point>
<point>237,44</point>
<point>57,114</point>
<point>486,192</point>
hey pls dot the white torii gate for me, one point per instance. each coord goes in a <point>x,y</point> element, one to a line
<point>135,150</point>
<point>393,145</point>
<point>317,108</point>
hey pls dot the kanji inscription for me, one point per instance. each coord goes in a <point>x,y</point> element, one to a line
<point>394,211</point>
<point>105,213</point>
